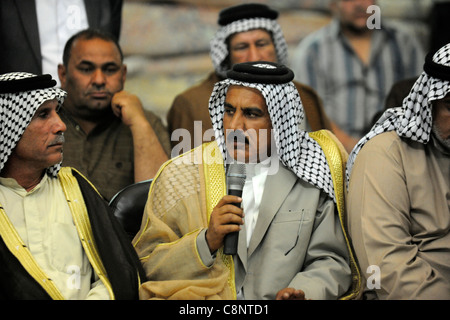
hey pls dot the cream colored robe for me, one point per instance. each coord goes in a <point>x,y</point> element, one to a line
<point>399,218</point>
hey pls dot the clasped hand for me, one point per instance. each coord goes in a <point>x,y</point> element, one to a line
<point>128,108</point>
<point>225,218</point>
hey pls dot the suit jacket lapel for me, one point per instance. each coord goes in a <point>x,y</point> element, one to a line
<point>28,16</point>
<point>276,189</point>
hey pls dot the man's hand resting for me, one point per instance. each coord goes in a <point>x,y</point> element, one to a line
<point>290,294</point>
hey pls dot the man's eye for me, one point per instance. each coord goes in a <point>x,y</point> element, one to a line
<point>229,111</point>
<point>251,114</point>
<point>262,43</point>
<point>111,70</point>
<point>43,114</point>
<point>240,47</point>
<point>86,69</point>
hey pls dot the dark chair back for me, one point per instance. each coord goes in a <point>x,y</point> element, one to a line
<point>128,206</point>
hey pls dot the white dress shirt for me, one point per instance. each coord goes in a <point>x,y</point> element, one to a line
<point>256,175</point>
<point>58,20</point>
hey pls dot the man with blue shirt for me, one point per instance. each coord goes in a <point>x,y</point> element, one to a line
<point>352,67</point>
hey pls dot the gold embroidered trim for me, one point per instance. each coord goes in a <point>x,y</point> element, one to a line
<point>158,173</point>
<point>337,167</point>
<point>216,188</point>
<point>81,219</point>
<point>21,252</point>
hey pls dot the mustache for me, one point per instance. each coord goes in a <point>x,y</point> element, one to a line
<point>59,139</point>
<point>237,136</point>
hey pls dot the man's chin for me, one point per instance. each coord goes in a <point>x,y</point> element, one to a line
<point>358,28</point>
<point>438,134</point>
<point>243,156</point>
<point>54,160</point>
<point>96,111</point>
<point>99,104</point>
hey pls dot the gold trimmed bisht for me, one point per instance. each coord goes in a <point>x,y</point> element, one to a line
<point>181,199</point>
<point>80,216</point>
<point>336,158</point>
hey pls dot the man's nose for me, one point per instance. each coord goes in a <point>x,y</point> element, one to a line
<point>59,126</point>
<point>253,54</point>
<point>98,77</point>
<point>237,122</point>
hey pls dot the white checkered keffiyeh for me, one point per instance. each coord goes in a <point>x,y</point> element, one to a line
<point>413,120</point>
<point>16,112</point>
<point>296,150</point>
<point>218,44</point>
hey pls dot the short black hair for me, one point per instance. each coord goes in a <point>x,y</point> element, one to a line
<point>89,34</point>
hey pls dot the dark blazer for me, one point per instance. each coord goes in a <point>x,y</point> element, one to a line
<point>19,34</point>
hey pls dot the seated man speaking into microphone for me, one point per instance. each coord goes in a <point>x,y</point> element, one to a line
<point>291,244</point>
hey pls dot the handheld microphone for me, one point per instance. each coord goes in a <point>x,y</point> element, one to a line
<point>235,185</point>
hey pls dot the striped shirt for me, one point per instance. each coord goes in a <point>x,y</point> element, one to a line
<point>106,155</point>
<point>353,92</point>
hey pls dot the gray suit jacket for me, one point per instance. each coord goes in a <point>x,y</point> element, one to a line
<point>20,49</point>
<point>297,242</point>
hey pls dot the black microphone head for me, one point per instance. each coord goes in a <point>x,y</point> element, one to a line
<point>236,176</point>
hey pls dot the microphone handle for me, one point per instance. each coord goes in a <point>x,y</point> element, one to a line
<point>231,239</point>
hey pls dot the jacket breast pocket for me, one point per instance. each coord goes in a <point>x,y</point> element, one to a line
<point>292,215</point>
<point>295,227</point>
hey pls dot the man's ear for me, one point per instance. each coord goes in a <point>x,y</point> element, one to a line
<point>62,75</point>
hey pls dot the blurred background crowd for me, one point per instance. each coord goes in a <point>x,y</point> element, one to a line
<point>166,43</point>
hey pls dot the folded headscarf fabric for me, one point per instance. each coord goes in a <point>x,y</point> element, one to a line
<point>21,94</point>
<point>413,120</point>
<point>295,148</point>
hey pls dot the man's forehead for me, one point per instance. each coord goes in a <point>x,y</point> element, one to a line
<point>238,87</point>
<point>249,33</point>
<point>239,91</point>
<point>48,104</point>
<point>88,50</point>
